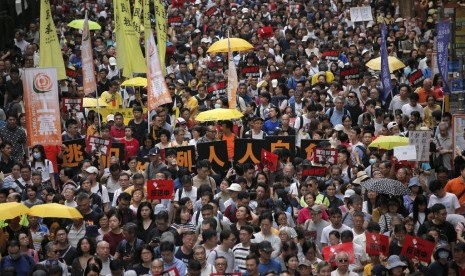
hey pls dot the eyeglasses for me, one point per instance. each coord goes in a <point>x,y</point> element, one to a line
<point>343,261</point>
<point>220,264</point>
<point>351,96</point>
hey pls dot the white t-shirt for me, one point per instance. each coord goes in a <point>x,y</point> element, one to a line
<point>328,229</point>
<point>46,169</point>
<point>449,200</point>
<point>192,194</point>
<point>103,194</point>
<point>407,109</point>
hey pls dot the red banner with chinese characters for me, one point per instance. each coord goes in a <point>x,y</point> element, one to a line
<point>160,189</point>
<point>269,160</point>
<point>330,252</point>
<point>43,125</point>
<point>98,144</point>
<point>415,247</point>
<point>376,244</point>
<point>68,104</point>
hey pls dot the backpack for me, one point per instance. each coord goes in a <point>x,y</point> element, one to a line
<point>331,112</point>
<point>365,158</point>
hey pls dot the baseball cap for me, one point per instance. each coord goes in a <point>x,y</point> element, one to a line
<point>317,208</point>
<point>349,193</point>
<point>245,10</point>
<point>154,151</point>
<point>235,187</point>
<point>110,117</point>
<point>112,61</point>
<point>266,246</point>
<point>305,262</point>
<point>180,121</point>
<point>339,127</point>
<point>414,181</point>
<point>92,169</point>
<point>391,125</point>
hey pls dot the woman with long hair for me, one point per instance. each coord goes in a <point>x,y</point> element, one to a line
<point>143,260</point>
<point>428,110</point>
<point>85,249</point>
<point>182,222</point>
<point>41,163</point>
<point>419,211</point>
<point>243,215</point>
<point>145,221</point>
<point>25,247</point>
<point>292,262</point>
<point>370,203</point>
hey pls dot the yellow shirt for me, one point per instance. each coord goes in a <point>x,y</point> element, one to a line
<point>192,105</point>
<point>428,115</point>
<point>114,101</point>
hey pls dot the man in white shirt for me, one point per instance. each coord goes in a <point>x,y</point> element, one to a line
<point>336,224</point>
<point>266,221</point>
<point>201,257</point>
<point>412,106</point>
<point>97,188</point>
<point>438,195</point>
<point>400,100</point>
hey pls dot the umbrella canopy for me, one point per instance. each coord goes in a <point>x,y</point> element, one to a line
<point>218,114</point>
<point>386,186</point>
<point>79,24</point>
<point>11,210</point>
<point>394,64</point>
<point>135,82</point>
<point>54,210</point>
<point>237,44</point>
<point>389,142</point>
<point>92,102</point>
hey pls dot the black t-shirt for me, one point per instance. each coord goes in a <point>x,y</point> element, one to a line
<point>394,248</point>
<point>184,257</point>
<point>446,230</point>
<point>139,130</point>
<point>92,218</point>
<point>68,255</point>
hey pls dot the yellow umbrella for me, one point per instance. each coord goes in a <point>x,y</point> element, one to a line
<point>135,82</point>
<point>11,210</point>
<point>92,102</point>
<point>54,210</point>
<point>237,44</point>
<point>389,142</point>
<point>218,114</point>
<point>394,64</point>
<point>79,24</point>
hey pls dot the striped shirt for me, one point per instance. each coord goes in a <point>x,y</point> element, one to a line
<point>240,253</point>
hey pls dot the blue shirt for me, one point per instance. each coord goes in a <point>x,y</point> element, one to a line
<point>271,266</point>
<point>336,118</point>
<point>182,269</point>
<point>23,266</point>
<point>269,127</point>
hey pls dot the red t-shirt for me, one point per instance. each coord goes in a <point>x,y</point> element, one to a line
<point>130,148</point>
<point>113,239</point>
<point>117,133</point>
<point>51,152</point>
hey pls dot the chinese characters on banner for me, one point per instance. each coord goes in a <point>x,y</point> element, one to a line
<point>248,150</point>
<point>421,140</point>
<point>385,72</point>
<point>97,144</point>
<point>185,156</point>
<point>308,148</point>
<point>117,150</point>
<point>281,142</point>
<point>415,247</point>
<point>319,171</point>
<point>215,152</point>
<point>324,156</point>
<point>269,160</point>
<point>160,189</point>
<point>376,244</point>
<point>330,252</point>
<point>416,78</point>
<point>88,70</point>
<point>330,55</point>
<point>350,73</point>
<point>442,45</point>
<point>68,104</point>
<point>359,14</point>
<point>42,106</point>
<point>252,71</point>
<point>74,152</point>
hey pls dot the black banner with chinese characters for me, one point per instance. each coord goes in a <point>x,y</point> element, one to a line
<point>276,142</point>
<point>74,153</point>
<point>215,152</point>
<point>248,150</point>
<point>325,156</point>
<point>68,104</point>
<point>185,156</point>
<point>350,73</point>
<point>117,149</point>
<point>308,148</point>
<point>251,71</point>
<point>330,55</point>
<point>416,78</point>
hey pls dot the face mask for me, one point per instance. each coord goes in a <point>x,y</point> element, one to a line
<point>15,256</point>
<point>351,103</point>
<point>217,106</point>
<point>188,60</point>
<point>372,161</point>
<point>36,155</point>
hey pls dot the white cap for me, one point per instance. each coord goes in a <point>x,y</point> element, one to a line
<point>398,20</point>
<point>196,31</point>
<point>349,193</point>
<point>339,127</point>
<point>235,187</point>
<point>205,40</point>
<point>391,125</point>
<point>92,169</point>
<point>112,61</point>
<point>180,121</point>
<point>274,83</point>
<point>245,10</point>
<point>110,117</point>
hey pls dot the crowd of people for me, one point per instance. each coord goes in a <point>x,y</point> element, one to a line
<point>306,78</point>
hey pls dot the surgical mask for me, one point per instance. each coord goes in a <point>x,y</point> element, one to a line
<point>217,105</point>
<point>36,155</point>
<point>351,103</point>
<point>372,161</point>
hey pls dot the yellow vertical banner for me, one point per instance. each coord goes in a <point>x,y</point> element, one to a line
<point>50,51</point>
<point>161,17</point>
<point>136,13</point>
<point>129,39</point>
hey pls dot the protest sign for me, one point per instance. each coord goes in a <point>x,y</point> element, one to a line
<point>458,129</point>
<point>324,156</point>
<point>248,150</point>
<point>185,156</point>
<point>269,160</point>
<point>415,247</point>
<point>217,89</point>
<point>403,153</point>
<point>330,55</point>
<point>215,152</point>
<point>175,21</point>
<point>330,252</point>
<point>74,152</point>
<point>98,144</point>
<point>160,189</point>
<point>376,244</point>
<point>308,147</point>
<point>281,142</point>
<point>416,78</point>
<point>318,171</point>
<point>421,140</point>
<point>68,104</point>
<point>360,14</point>
<point>350,73</point>
<point>117,150</point>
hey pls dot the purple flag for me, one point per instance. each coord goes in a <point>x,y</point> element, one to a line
<point>385,73</point>
<point>442,43</point>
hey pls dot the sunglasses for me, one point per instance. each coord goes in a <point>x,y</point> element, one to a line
<point>343,261</point>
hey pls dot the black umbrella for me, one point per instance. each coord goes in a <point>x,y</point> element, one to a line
<point>386,186</point>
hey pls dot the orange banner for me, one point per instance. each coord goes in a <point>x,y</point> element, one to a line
<point>40,87</point>
<point>88,72</point>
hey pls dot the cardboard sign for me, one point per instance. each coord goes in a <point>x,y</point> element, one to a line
<point>175,21</point>
<point>248,150</point>
<point>360,14</point>
<point>325,156</point>
<point>116,149</point>
<point>68,104</point>
<point>251,71</point>
<point>160,189</point>
<point>350,73</point>
<point>331,55</point>
<point>376,244</point>
<point>308,148</point>
<point>416,78</point>
<point>218,88</point>
<point>74,152</point>
<point>415,247</point>
<point>330,252</point>
<point>281,142</point>
<point>97,144</point>
<point>269,160</point>
<point>421,140</point>
<point>403,153</point>
<point>318,171</point>
<point>215,152</point>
